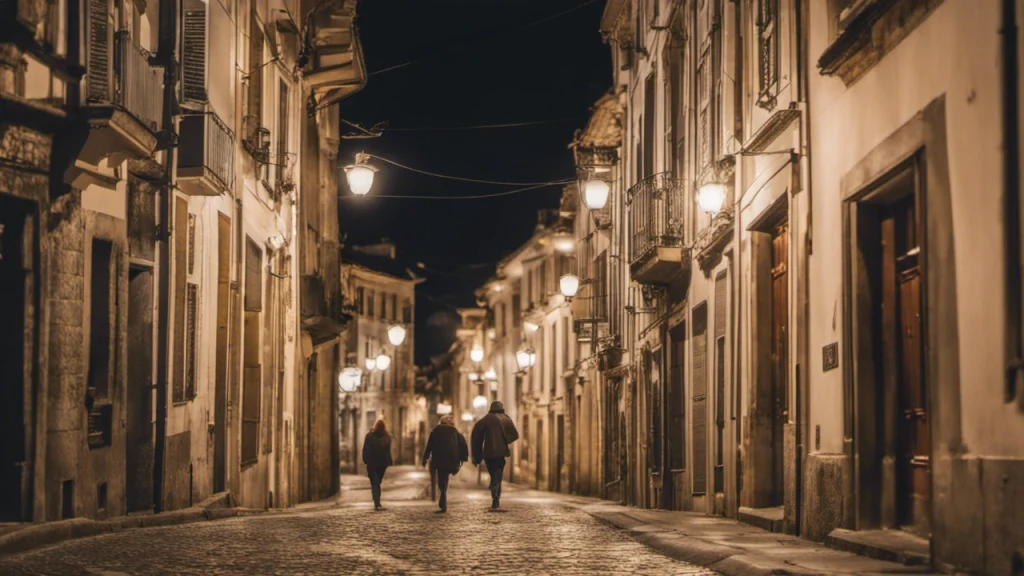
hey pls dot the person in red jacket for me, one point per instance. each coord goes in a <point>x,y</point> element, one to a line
<point>491,438</point>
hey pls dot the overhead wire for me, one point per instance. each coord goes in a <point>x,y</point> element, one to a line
<point>479,126</point>
<point>474,180</point>
<point>473,197</point>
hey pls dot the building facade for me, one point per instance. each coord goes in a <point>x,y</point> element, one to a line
<point>154,247</point>
<point>383,293</point>
<point>800,304</point>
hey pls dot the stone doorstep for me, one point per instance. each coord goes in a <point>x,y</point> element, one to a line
<point>770,519</point>
<point>889,545</point>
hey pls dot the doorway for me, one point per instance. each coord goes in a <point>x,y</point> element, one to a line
<point>676,436</point>
<point>139,448</point>
<point>17,324</point>
<point>539,456</point>
<point>779,356</point>
<point>220,396</point>
<point>560,459</point>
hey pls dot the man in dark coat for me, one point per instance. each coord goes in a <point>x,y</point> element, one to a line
<point>447,450</point>
<point>491,438</point>
<point>377,457</point>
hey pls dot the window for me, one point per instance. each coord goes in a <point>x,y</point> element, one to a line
<point>182,242</point>
<point>254,110</point>
<point>394,307</point>
<point>648,151</point>
<point>100,320</point>
<point>517,312</point>
<point>544,288</point>
<point>383,306</point>
<point>282,138</point>
<point>768,49</point>
<point>370,303</point>
<point>704,106</point>
<point>359,299</point>
<point>501,318</point>
<point>407,312</point>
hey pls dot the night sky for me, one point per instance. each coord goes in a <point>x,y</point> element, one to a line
<point>475,62</point>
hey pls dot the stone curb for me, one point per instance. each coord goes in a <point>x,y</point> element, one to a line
<point>44,534</point>
<point>727,560</point>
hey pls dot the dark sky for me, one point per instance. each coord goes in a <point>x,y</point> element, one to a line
<point>475,62</point>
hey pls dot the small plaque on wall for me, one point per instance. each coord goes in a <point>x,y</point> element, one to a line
<point>830,357</point>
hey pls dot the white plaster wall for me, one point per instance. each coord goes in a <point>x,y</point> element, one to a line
<point>954,52</point>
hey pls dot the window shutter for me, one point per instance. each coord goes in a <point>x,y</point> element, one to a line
<point>255,77</point>
<point>194,52</point>
<point>190,342</point>
<point>98,85</point>
<point>700,405</point>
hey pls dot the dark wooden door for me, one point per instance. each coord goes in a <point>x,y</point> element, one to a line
<point>780,355</point>
<point>901,312</point>
<point>139,448</point>
<point>538,458</point>
<point>13,453</point>
<point>560,460</point>
<point>220,389</point>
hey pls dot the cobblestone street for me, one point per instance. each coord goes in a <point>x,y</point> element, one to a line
<point>534,535</point>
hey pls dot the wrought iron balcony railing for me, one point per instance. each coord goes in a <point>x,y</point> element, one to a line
<point>656,214</point>
<point>139,85</point>
<point>206,157</point>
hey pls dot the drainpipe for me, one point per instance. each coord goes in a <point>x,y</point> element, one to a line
<point>1011,199</point>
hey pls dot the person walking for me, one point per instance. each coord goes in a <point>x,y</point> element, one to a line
<point>447,450</point>
<point>377,457</point>
<point>491,438</point>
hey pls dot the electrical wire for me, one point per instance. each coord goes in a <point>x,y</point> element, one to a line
<point>475,197</point>
<point>474,180</point>
<point>480,126</point>
<point>461,48</point>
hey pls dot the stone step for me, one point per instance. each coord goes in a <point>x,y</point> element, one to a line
<point>770,519</point>
<point>889,545</point>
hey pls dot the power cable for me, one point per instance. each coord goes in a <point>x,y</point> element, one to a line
<point>474,180</point>
<point>475,197</point>
<point>476,127</point>
<point>461,48</point>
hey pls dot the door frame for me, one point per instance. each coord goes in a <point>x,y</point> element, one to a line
<point>920,143</point>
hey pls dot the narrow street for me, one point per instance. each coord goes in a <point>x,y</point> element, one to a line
<point>535,534</point>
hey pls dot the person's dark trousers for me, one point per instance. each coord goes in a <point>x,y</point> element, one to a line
<point>442,484</point>
<point>496,469</point>
<point>376,474</point>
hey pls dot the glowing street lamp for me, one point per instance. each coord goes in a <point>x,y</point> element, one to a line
<point>476,354</point>
<point>396,335</point>
<point>473,376</point>
<point>480,402</point>
<point>711,197</point>
<point>530,327</point>
<point>490,375</point>
<point>569,285</point>
<point>383,362</point>
<point>526,358</point>
<point>467,417</point>
<point>349,379</point>
<point>595,193</point>
<point>371,363</point>
<point>563,242</point>
<point>443,409</point>
<point>494,385</point>
<point>360,175</point>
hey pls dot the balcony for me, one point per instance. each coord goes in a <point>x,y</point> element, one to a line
<point>335,67</point>
<point>323,318</point>
<point>124,115</point>
<point>205,155</point>
<point>656,229</point>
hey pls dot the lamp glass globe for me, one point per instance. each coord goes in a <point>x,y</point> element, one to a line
<point>595,193</point>
<point>396,335</point>
<point>360,179</point>
<point>480,402</point>
<point>711,197</point>
<point>569,284</point>
<point>476,354</point>
<point>383,362</point>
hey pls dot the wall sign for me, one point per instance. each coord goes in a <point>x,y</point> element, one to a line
<point>830,357</point>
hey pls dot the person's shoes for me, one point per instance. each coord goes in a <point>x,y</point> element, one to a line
<point>494,503</point>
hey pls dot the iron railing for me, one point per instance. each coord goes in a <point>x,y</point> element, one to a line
<point>220,150</point>
<point>656,214</point>
<point>139,85</point>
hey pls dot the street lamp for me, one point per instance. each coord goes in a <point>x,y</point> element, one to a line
<point>563,242</point>
<point>595,193</point>
<point>473,376</point>
<point>443,409</point>
<point>480,402</point>
<point>371,363</point>
<point>711,197</point>
<point>396,335</point>
<point>490,375</point>
<point>476,354</point>
<point>360,175</point>
<point>467,417</point>
<point>383,362</point>
<point>569,284</point>
<point>349,379</point>
<point>494,385</point>
<point>530,327</point>
<point>526,358</point>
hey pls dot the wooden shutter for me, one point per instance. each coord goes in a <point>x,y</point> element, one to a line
<point>191,243</point>
<point>251,384</point>
<point>649,89</point>
<point>700,388</point>
<point>191,334</point>
<point>180,281</point>
<point>253,274</point>
<point>282,132</point>
<point>193,58</point>
<point>98,84</point>
<point>255,109</point>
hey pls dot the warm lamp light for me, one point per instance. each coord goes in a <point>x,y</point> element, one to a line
<point>360,175</point>
<point>530,327</point>
<point>569,284</point>
<point>563,242</point>
<point>383,362</point>
<point>595,193</point>
<point>371,363</point>
<point>480,402</point>
<point>349,379</point>
<point>711,197</point>
<point>396,335</point>
<point>476,354</point>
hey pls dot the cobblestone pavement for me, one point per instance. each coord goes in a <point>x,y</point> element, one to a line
<point>534,535</point>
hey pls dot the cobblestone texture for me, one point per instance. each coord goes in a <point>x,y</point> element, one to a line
<point>535,535</point>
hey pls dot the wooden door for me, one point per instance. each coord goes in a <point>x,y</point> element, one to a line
<point>138,430</point>
<point>780,355</point>
<point>901,312</point>
<point>15,268</point>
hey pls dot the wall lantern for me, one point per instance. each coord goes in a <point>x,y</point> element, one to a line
<point>711,197</point>
<point>360,175</point>
<point>490,375</point>
<point>491,334</point>
<point>467,417</point>
<point>595,193</point>
<point>494,385</point>
<point>371,364</point>
<point>383,362</point>
<point>530,327</point>
<point>526,358</point>
<point>480,402</point>
<point>443,409</point>
<point>563,242</point>
<point>349,379</point>
<point>473,376</point>
<point>396,335</point>
<point>476,354</point>
<point>569,284</point>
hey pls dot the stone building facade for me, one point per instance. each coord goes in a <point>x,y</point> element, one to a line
<point>800,305</point>
<point>151,176</point>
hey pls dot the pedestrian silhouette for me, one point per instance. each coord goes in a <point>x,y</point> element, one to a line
<point>491,438</point>
<point>377,457</point>
<point>447,450</point>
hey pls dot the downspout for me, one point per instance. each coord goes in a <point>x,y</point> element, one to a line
<point>736,267</point>
<point>1011,200</point>
<point>803,265</point>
